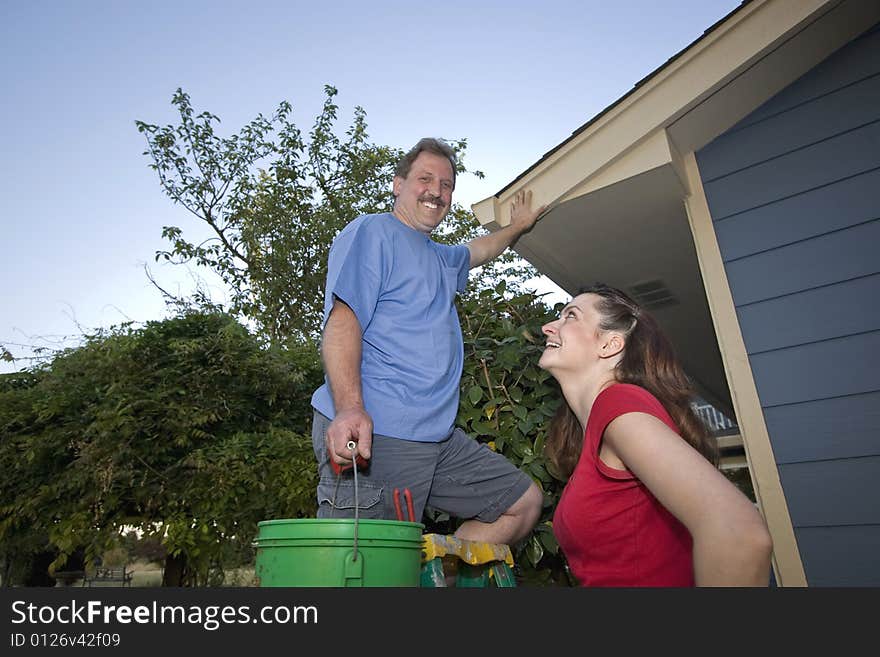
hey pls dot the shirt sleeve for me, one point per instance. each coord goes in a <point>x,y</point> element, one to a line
<point>617,400</point>
<point>356,270</point>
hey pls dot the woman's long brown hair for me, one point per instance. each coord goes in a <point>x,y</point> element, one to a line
<point>648,361</point>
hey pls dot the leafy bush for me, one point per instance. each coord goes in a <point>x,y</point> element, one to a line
<point>190,429</point>
<point>507,402</point>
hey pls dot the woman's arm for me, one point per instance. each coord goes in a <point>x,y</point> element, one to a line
<point>732,546</point>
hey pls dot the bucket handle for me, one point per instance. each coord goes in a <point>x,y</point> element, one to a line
<point>353,447</point>
<point>353,571</point>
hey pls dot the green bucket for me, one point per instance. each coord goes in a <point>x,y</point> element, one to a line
<point>341,552</point>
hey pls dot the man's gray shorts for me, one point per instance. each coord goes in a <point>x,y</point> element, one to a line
<point>459,475</point>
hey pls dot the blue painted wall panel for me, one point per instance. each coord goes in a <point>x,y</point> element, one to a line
<point>820,370</point>
<point>794,191</point>
<point>857,61</point>
<point>839,256</point>
<point>795,172</point>
<point>824,118</point>
<point>840,427</point>
<point>833,493</point>
<point>840,556</point>
<point>817,314</point>
<point>818,211</point>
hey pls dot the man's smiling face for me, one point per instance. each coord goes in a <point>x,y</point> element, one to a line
<point>424,196</point>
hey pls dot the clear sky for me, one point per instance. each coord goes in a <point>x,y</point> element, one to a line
<point>80,211</point>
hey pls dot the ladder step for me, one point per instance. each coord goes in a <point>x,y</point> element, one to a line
<point>479,565</point>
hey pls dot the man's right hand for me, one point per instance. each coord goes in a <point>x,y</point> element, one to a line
<point>349,424</point>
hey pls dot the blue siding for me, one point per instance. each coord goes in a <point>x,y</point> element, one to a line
<point>840,204</point>
<point>840,556</point>
<point>820,370</point>
<point>817,430</point>
<point>828,116</point>
<point>793,191</point>
<point>795,172</point>
<point>850,65</point>
<point>845,254</point>
<point>813,315</point>
<point>833,493</point>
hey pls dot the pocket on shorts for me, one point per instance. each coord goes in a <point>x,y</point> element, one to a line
<point>319,436</point>
<point>339,502</point>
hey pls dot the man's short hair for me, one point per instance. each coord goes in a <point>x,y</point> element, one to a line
<point>431,145</point>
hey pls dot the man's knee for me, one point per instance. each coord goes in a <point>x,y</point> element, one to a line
<point>528,507</point>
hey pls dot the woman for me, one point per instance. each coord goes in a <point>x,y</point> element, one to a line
<point>644,504</point>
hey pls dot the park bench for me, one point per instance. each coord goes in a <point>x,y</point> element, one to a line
<point>104,575</point>
<point>68,577</point>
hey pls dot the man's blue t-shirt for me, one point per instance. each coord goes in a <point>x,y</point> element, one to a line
<point>401,285</point>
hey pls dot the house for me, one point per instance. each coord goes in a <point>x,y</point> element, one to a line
<point>735,191</point>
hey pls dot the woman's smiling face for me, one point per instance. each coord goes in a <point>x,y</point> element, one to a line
<point>573,340</point>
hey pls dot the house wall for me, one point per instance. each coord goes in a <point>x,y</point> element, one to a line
<point>794,193</point>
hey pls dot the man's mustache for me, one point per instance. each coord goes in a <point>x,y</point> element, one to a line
<point>430,198</point>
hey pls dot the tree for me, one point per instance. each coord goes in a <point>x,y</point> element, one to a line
<point>274,201</point>
<point>28,463</point>
<point>189,429</point>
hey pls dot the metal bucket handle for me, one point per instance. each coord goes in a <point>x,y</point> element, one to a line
<point>353,447</point>
<point>353,569</point>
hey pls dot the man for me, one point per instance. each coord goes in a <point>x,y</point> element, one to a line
<point>393,356</point>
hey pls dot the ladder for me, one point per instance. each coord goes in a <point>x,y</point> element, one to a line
<point>479,565</point>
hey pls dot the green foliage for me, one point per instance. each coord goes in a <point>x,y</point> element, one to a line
<point>144,548</point>
<point>234,484</point>
<point>507,402</point>
<point>273,201</point>
<point>189,429</point>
